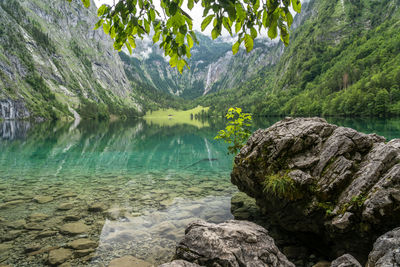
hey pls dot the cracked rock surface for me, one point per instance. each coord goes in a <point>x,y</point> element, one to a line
<point>335,183</point>
<point>232,243</point>
<point>386,251</point>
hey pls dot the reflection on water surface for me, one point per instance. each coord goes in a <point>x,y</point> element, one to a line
<point>131,187</point>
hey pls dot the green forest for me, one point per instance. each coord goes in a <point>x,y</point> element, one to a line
<point>351,69</point>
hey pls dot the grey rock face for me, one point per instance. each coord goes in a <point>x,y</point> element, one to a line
<point>338,184</point>
<point>10,109</point>
<point>345,261</point>
<point>74,62</point>
<point>386,251</point>
<point>233,243</point>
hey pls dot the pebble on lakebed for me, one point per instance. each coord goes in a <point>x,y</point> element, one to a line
<point>75,228</point>
<point>43,199</point>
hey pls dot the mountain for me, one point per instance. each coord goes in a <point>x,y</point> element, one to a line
<point>212,66</point>
<point>53,65</point>
<point>343,60</point>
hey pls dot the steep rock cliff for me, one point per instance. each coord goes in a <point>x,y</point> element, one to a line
<point>51,60</point>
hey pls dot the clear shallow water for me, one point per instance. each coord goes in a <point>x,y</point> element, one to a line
<point>148,182</point>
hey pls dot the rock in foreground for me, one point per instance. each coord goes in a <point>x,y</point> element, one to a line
<point>337,184</point>
<point>386,251</point>
<point>345,261</point>
<point>233,243</point>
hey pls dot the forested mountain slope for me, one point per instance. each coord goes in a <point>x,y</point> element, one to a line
<point>51,61</point>
<point>344,59</point>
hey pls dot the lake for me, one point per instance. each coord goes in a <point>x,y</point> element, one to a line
<point>132,186</point>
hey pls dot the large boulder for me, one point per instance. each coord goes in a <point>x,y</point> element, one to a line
<point>335,186</point>
<point>345,260</point>
<point>229,244</point>
<point>386,251</point>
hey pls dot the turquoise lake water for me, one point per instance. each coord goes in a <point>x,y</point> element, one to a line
<point>146,182</point>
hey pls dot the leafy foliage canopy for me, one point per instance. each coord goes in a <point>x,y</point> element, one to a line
<point>172,27</point>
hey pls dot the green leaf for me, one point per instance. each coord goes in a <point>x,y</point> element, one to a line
<point>235,47</point>
<point>190,4</point>
<point>296,5</point>
<point>238,26</point>
<point>112,32</point>
<point>206,10</point>
<point>181,64</point>
<point>264,18</point>
<point>190,41</point>
<point>176,21</point>
<point>173,61</point>
<point>173,7</point>
<point>272,31</point>
<point>194,37</point>
<point>98,24</point>
<point>152,15</point>
<point>231,11</point>
<point>253,33</point>
<point>180,38</point>
<point>289,19</point>
<point>240,13</point>
<point>156,37</point>
<point>129,48</point>
<point>227,26</point>
<point>285,39</point>
<point>102,10</point>
<point>106,28</point>
<point>131,41</point>
<point>248,43</point>
<point>86,3</point>
<point>146,26</point>
<point>214,33</point>
<point>188,55</point>
<point>206,21</point>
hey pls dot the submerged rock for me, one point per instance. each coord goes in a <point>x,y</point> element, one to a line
<point>43,199</point>
<point>309,176</point>
<point>59,256</point>
<point>45,234</point>
<point>232,243</point>
<point>37,217</point>
<point>66,206</point>
<point>9,204</point>
<point>97,207</point>
<point>32,247</point>
<point>129,261</point>
<point>74,228</point>
<point>82,243</point>
<point>386,251</point>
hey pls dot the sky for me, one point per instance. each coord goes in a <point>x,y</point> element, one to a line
<point>196,13</point>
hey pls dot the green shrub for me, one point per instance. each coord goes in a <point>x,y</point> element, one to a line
<point>237,129</point>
